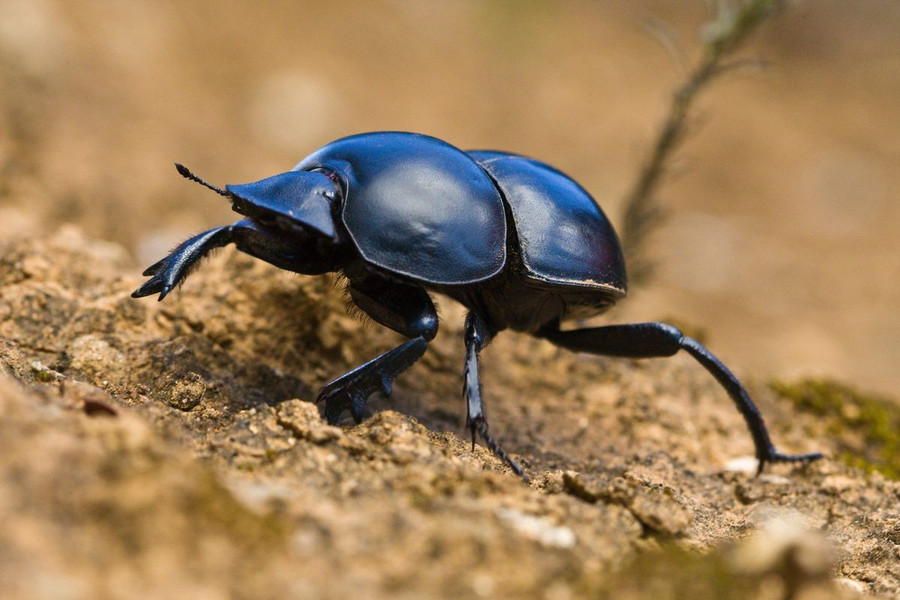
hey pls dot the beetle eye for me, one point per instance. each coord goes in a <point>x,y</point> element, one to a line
<point>329,195</point>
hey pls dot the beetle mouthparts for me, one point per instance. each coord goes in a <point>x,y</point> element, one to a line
<point>186,173</point>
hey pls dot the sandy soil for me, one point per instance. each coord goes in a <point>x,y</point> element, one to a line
<point>170,450</point>
<point>782,238</point>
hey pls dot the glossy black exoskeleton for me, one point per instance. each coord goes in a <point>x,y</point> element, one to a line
<point>517,242</point>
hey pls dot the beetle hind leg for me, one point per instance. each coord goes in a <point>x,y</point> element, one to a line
<point>765,449</point>
<point>645,340</point>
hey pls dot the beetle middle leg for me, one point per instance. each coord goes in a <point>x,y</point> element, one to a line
<point>405,308</point>
<point>645,340</point>
<point>479,335</point>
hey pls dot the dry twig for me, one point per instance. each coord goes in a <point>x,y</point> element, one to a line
<point>722,37</point>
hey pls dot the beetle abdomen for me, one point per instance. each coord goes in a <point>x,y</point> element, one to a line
<point>564,237</point>
<point>417,206</point>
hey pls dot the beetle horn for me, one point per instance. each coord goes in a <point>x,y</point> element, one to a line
<point>186,173</point>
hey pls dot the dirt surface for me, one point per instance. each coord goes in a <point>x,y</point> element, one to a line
<point>781,241</point>
<point>171,450</point>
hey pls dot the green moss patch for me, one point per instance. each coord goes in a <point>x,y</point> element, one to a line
<point>866,427</point>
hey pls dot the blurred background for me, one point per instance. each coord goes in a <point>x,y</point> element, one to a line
<point>782,242</point>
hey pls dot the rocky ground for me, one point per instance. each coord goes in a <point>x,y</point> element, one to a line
<point>169,450</point>
<point>173,451</point>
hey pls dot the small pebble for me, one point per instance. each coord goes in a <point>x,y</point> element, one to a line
<point>743,464</point>
<point>851,584</point>
<point>540,530</point>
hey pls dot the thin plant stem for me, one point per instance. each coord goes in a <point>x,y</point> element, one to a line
<point>721,37</point>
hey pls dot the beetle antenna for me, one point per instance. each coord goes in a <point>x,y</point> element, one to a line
<point>186,173</point>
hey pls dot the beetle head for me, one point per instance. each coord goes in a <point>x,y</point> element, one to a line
<point>294,202</point>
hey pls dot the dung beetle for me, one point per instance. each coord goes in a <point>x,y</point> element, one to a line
<point>520,244</point>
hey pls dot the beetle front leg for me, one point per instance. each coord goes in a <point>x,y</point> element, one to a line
<point>645,340</point>
<point>407,309</point>
<point>245,234</point>
<point>171,270</point>
<point>479,335</point>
